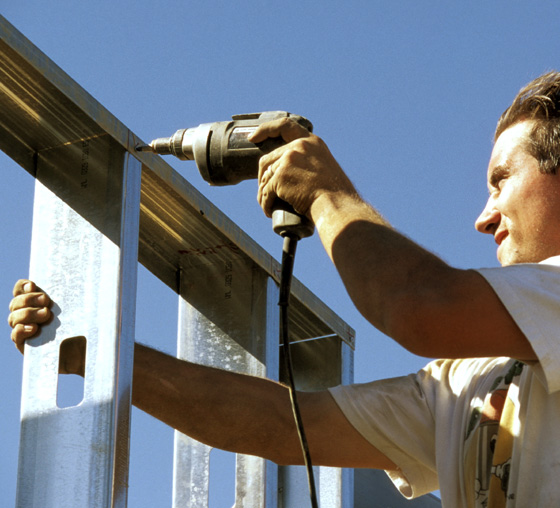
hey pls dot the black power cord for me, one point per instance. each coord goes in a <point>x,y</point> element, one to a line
<point>288,256</point>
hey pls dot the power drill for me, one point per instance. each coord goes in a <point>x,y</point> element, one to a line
<point>225,156</point>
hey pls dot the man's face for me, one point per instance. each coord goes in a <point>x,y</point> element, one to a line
<point>523,210</point>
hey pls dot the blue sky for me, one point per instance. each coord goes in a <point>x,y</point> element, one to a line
<point>406,94</point>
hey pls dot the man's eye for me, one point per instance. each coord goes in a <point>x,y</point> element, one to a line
<point>498,180</point>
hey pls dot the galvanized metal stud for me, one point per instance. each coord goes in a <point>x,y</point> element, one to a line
<point>84,254</point>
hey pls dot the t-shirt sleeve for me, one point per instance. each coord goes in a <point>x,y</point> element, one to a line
<point>531,294</point>
<point>394,416</point>
<point>421,421</point>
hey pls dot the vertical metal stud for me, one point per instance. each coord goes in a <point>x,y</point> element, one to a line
<point>228,318</point>
<point>319,364</point>
<point>84,254</point>
<point>346,490</point>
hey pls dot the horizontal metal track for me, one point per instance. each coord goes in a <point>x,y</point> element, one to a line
<point>42,110</point>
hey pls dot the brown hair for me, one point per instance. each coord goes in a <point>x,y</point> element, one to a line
<point>538,101</point>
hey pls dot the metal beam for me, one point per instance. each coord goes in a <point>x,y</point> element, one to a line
<point>43,108</point>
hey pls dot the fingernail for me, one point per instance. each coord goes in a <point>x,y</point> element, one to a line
<point>28,328</point>
<point>27,287</point>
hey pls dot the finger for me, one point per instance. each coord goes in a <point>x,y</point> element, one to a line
<point>269,159</point>
<point>267,175</point>
<point>29,300</point>
<point>286,127</point>
<point>24,286</point>
<point>264,200</point>
<point>29,316</point>
<point>265,163</point>
<point>267,192</point>
<point>260,193</point>
<point>268,198</point>
<point>265,178</point>
<point>23,332</point>
<point>303,147</point>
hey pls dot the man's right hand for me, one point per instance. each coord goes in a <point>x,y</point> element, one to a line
<point>29,309</point>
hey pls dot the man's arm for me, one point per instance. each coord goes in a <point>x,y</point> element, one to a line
<point>405,291</point>
<point>246,414</point>
<point>427,306</point>
<point>235,412</point>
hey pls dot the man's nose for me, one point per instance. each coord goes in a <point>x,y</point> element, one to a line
<point>489,220</point>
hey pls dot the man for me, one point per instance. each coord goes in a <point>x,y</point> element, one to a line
<point>480,425</point>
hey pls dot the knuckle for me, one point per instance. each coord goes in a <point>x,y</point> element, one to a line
<point>292,122</point>
<point>22,316</point>
<point>291,129</point>
<point>17,333</point>
<point>19,336</point>
<point>14,318</point>
<point>19,302</point>
<point>40,299</point>
<point>303,145</point>
<point>18,287</point>
<point>291,157</point>
<point>264,162</point>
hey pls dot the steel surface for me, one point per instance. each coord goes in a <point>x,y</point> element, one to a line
<point>228,318</point>
<point>78,455</point>
<point>43,108</point>
<point>84,217</point>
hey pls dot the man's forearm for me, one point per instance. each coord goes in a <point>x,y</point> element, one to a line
<point>226,410</point>
<point>246,414</point>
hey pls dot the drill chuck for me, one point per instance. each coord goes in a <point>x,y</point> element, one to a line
<point>173,145</point>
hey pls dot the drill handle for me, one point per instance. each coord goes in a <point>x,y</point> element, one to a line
<point>287,222</point>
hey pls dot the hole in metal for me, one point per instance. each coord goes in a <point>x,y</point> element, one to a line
<point>70,388</point>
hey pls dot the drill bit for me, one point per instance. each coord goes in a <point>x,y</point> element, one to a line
<point>143,148</point>
<point>180,145</point>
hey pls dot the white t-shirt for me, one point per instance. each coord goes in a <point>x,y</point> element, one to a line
<point>432,424</point>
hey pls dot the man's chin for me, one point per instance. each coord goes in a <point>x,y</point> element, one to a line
<point>502,257</point>
<point>508,257</point>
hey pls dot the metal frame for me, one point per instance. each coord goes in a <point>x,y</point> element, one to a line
<point>93,212</point>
